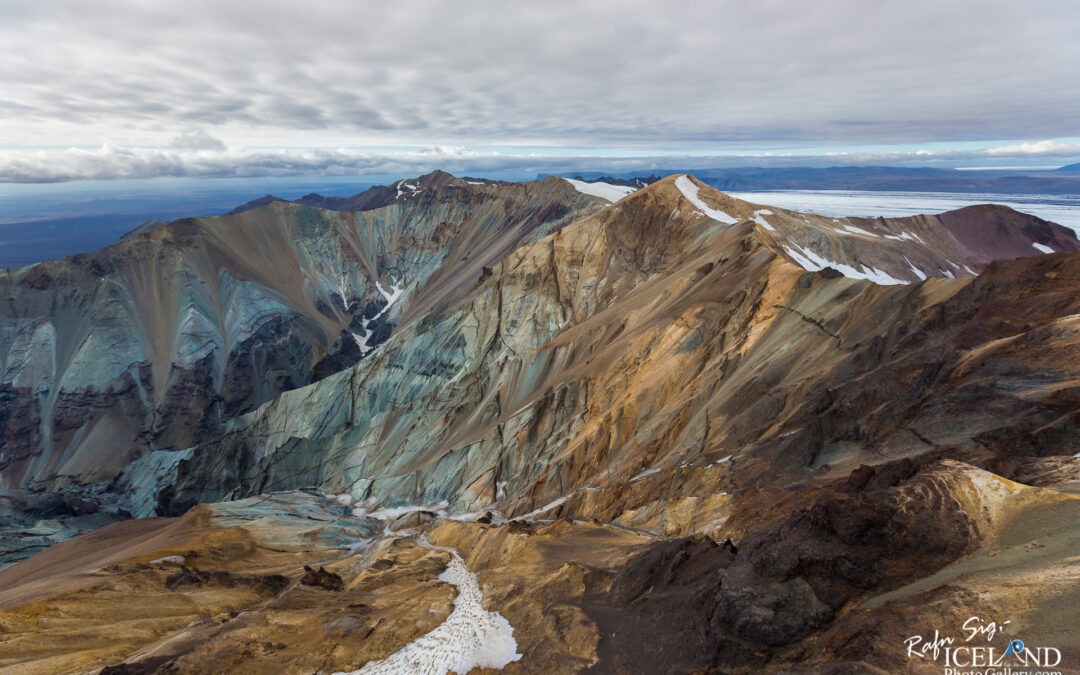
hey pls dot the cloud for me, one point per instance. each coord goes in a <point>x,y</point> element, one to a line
<point>640,74</point>
<point>197,139</point>
<point>1039,148</point>
<point>110,162</point>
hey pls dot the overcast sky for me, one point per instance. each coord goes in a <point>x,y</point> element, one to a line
<point>130,89</point>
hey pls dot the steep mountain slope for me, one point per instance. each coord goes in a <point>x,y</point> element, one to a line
<point>587,417</point>
<point>1061,181</point>
<point>153,342</point>
<point>637,340</point>
<point>372,198</point>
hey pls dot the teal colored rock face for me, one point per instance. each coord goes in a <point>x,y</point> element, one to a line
<point>517,349</point>
<point>155,342</point>
<point>581,412</point>
<point>596,371</point>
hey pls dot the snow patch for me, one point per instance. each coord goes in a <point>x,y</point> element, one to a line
<point>531,515</point>
<point>1043,248</point>
<point>395,512</point>
<point>361,340</point>
<point>857,230</point>
<point>177,559</point>
<point>690,191</point>
<point>360,546</point>
<point>612,193</point>
<point>391,296</point>
<point>918,272</point>
<point>470,637</point>
<point>761,221</point>
<point>811,261</point>
<point>899,237</point>
<point>343,286</point>
<point>645,474</point>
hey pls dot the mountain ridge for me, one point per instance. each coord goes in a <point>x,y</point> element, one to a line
<point>877,178</point>
<point>698,429</point>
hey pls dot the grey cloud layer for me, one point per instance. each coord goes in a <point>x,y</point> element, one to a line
<point>646,74</point>
<point>187,159</point>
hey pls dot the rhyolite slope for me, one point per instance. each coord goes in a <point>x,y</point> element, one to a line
<point>155,341</point>
<point>636,344</point>
<point>695,453</point>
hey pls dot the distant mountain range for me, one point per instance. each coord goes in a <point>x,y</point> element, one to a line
<point>1062,181</point>
<point>1065,180</point>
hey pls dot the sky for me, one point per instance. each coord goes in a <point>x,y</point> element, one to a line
<point>125,89</point>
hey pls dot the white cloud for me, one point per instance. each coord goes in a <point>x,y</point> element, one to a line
<point>111,162</point>
<point>1038,148</point>
<point>197,139</point>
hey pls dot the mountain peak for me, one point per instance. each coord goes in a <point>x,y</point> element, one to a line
<point>255,203</point>
<point>437,178</point>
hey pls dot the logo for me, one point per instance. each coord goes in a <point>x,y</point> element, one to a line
<point>977,652</point>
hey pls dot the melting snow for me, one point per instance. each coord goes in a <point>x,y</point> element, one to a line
<point>970,271</point>
<point>645,474</point>
<point>918,272</point>
<point>469,638</point>
<point>858,230</point>
<point>811,261</point>
<point>361,340</point>
<point>905,236</point>
<point>360,546</point>
<point>178,559</point>
<point>391,296</point>
<point>761,221</point>
<point>342,287</point>
<point>395,512</point>
<point>690,191</point>
<point>612,193</point>
<point>1041,247</point>
<point>533,514</point>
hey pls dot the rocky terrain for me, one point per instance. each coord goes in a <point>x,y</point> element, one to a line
<point>154,342</point>
<point>675,433</point>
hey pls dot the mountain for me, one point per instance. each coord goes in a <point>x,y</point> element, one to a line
<point>884,178</point>
<point>635,182</point>
<point>372,198</point>
<point>154,342</point>
<point>700,432</point>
